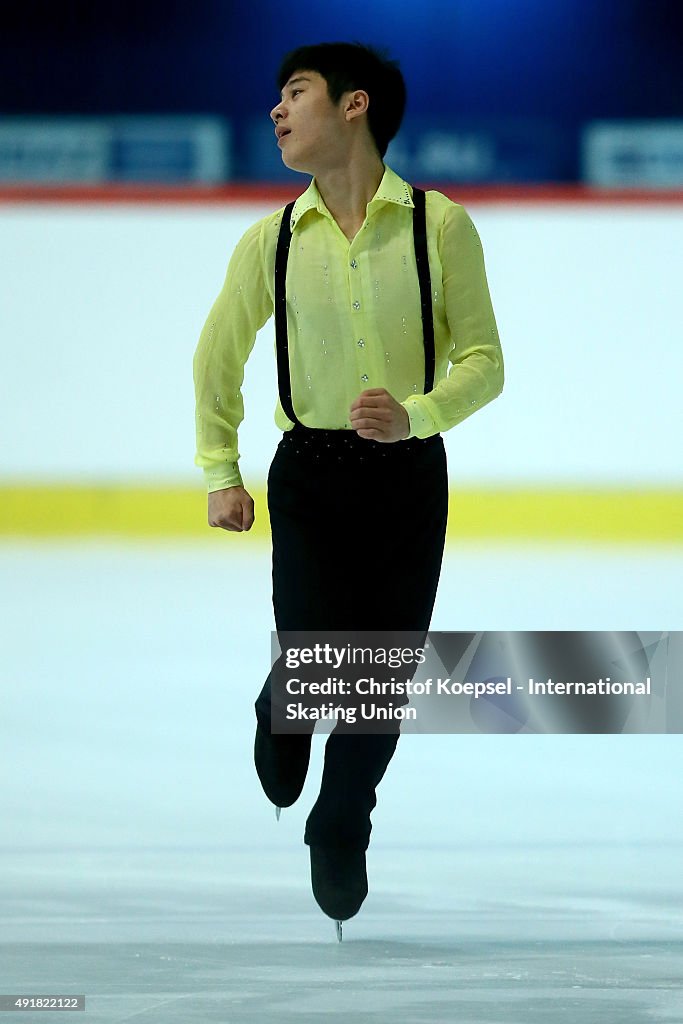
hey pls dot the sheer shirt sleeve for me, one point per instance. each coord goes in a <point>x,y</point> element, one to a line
<point>240,310</point>
<point>476,372</point>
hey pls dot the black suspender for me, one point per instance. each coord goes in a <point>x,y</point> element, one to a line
<point>281,337</point>
<point>422,260</point>
<point>281,340</point>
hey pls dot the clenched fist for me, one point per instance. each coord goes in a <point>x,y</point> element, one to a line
<point>232,509</point>
<point>378,416</point>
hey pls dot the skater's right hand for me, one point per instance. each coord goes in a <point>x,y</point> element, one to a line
<point>231,508</point>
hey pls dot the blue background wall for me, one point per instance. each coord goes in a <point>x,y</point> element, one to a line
<point>535,69</point>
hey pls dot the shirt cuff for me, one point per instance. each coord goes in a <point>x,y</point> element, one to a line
<point>422,421</point>
<point>219,477</point>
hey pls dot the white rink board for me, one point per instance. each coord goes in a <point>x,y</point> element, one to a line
<point>101,307</point>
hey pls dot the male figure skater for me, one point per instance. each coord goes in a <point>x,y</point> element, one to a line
<point>385,337</point>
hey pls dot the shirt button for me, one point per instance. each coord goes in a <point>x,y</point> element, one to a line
<point>354,264</point>
<point>356,305</point>
<point>361,343</point>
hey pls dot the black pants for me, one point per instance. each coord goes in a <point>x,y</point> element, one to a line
<point>358,531</point>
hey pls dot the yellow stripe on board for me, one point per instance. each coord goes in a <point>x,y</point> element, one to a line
<point>601,516</point>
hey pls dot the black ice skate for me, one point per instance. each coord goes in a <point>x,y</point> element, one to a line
<point>281,764</point>
<point>339,881</point>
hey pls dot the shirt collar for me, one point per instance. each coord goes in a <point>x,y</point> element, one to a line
<point>392,189</point>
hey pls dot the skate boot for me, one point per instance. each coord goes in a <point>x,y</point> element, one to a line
<point>281,764</point>
<point>338,827</point>
<point>339,880</point>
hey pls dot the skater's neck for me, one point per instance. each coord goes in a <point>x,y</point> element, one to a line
<point>346,190</point>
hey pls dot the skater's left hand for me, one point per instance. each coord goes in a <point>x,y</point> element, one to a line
<point>378,416</point>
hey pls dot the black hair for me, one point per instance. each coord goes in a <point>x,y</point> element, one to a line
<point>349,66</point>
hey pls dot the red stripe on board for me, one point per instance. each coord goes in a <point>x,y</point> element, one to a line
<point>281,194</point>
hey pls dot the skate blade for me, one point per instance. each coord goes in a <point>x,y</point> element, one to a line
<point>338,927</point>
<point>277,813</point>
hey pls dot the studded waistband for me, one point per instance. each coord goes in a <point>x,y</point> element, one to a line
<point>313,441</point>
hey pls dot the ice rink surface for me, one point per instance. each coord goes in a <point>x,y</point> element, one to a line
<point>513,879</point>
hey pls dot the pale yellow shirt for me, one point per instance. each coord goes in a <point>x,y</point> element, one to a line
<point>354,321</point>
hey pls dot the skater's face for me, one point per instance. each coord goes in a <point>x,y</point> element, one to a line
<point>312,131</point>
